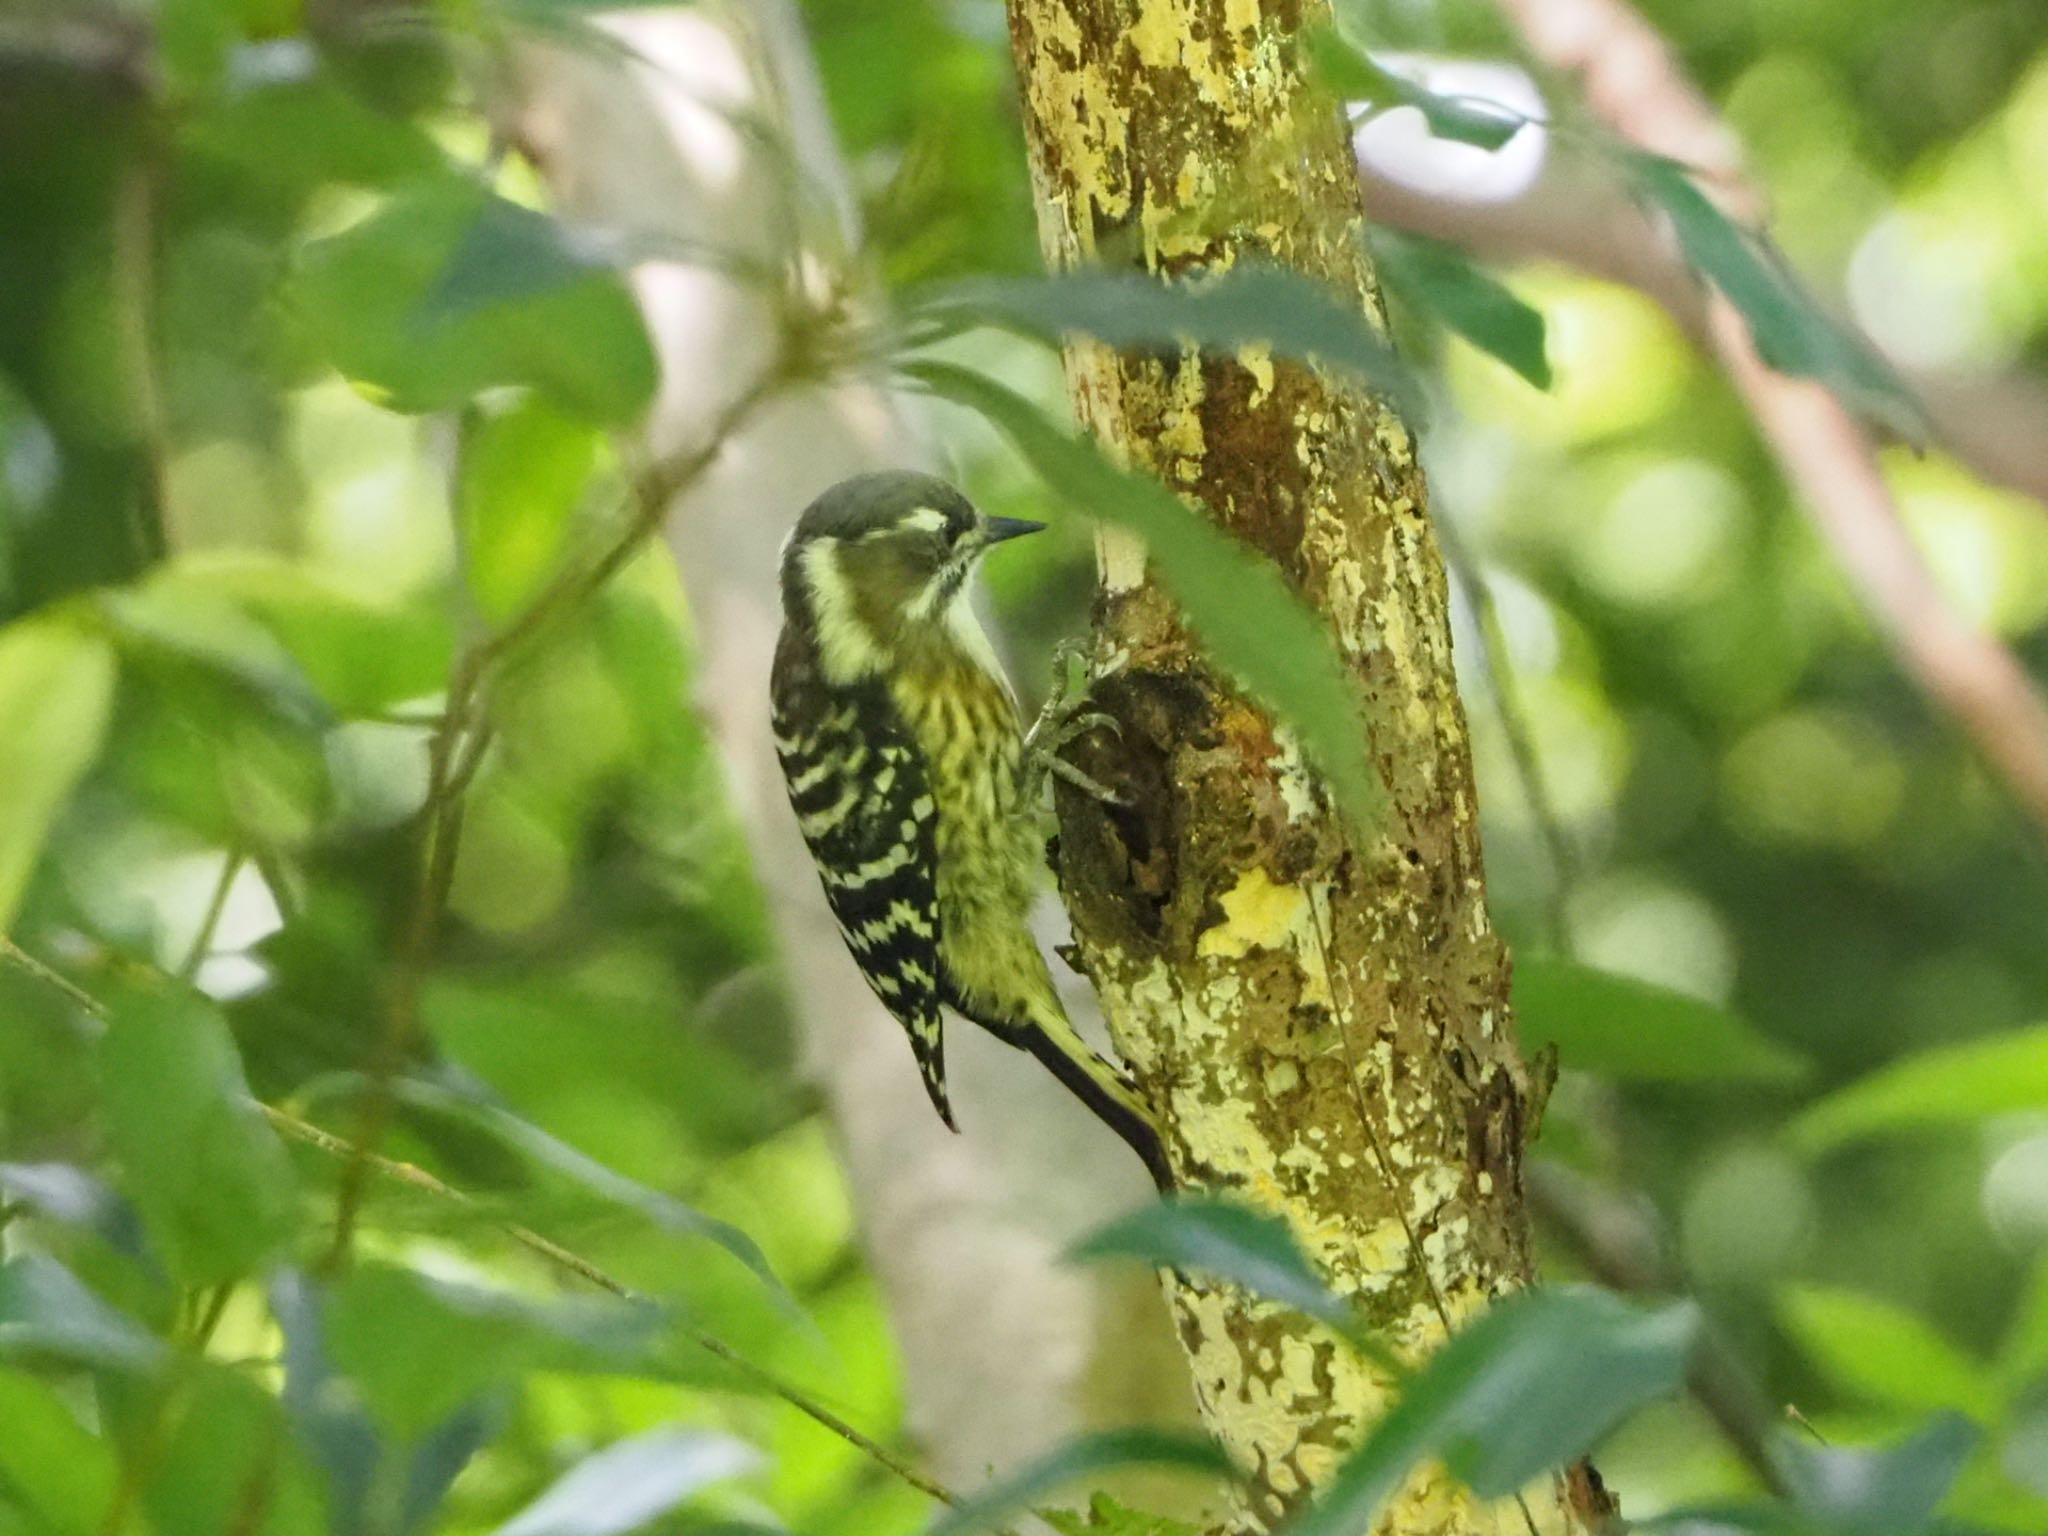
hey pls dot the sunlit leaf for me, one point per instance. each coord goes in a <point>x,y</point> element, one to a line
<point>358,656</point>
<point>446,291</point>
<point>624,1486</point>
<point>1530,1385</point>
<point>1293,315</point>
<point>54,1470</point>
<point>1080,1460</point>
<point>419,1348</point>
<point>1436,278</point>
<point>56,689</point>
<point>47,1313</point>
<point>212,1183</point>
<point>524,472</point>
<point>1873,1350</point>
<point>171,615</point>
<point>1950,1085</point>
<point>1221,1239</point>
<point>1792,332</point>
<point>1254,626</point>
<point>551,1152</point>
<point>1620,1027</point>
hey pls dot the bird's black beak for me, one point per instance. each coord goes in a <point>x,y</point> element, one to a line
<point>1001,528</point>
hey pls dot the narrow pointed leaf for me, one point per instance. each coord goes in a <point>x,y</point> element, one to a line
<point>551,1152</point>
<point>1358,78</point>
<point>1436,279</point>
<point>1952,1085</point>
<point>1531,1385</point>
<point>1220,1239</point>
<point>1884,1354</point>
<point>1252,623</point>
<point>1620,1027</point>
<point>1792,332</point>
<point>1293,315</point>
<point>1081,1460</point>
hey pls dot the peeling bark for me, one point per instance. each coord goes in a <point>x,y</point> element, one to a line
<point>1320,1014</point>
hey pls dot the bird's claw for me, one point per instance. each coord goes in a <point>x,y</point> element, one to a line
<point>1065,719</point>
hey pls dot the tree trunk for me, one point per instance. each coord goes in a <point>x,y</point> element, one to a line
<point>1320,1014</point>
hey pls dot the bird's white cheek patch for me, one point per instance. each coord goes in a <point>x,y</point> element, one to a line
<point>846,649</point>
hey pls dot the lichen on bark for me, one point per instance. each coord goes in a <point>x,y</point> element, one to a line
<point>1319,1012</point>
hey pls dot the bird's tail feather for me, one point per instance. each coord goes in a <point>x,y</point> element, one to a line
<point>1099,1083</point>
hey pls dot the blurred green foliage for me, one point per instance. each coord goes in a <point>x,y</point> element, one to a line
<point>306,402</point>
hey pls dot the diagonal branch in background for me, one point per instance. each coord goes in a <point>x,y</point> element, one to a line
<point>1634,86</point>
<point>1578,214</point>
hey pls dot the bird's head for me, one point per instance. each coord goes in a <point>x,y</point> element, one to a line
<point>878,565</point>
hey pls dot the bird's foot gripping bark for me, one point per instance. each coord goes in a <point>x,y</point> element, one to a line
<point>1065,718</point>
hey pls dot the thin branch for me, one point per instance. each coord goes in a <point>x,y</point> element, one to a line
<point>29,965</point>
<point>1634,85</point>
<point>216,904</point>
<point>1578,214</point>
<point>415,1177</point>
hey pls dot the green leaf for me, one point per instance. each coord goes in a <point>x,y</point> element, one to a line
<point>1079,1460</point>
<point>211,1182</point>
<point>1106,1517</point>
<point>56,692</point>
<point>1293,315</point>
<point>1253,624</point>
<point>1892,1491</point>
<point>1881,1353</point>
<point>308,132</point>
<point>61,1476</point>
<point>1355,76</point>
<point>1950,1085</point>
<point>360,656</point>
<point>624,1486</point>
<point>419,1349</point>
<point>446,291</point>
<point>550,1151</point>
<point>47,1313</point>
<point>172,615</point>
<point>1617,1026</point>
<point>1792,332</point>
<point>1228,1241</point>
<point>1434,277</point>
<point>229,1439</point>
<point>524,472</point>
<point>1530,1385</point>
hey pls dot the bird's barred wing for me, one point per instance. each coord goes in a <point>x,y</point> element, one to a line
<point>858,786</point>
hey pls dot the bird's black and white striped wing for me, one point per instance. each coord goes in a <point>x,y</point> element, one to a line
<point>862,801</point>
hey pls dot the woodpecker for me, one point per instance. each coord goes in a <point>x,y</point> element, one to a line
<point>906,765</point>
